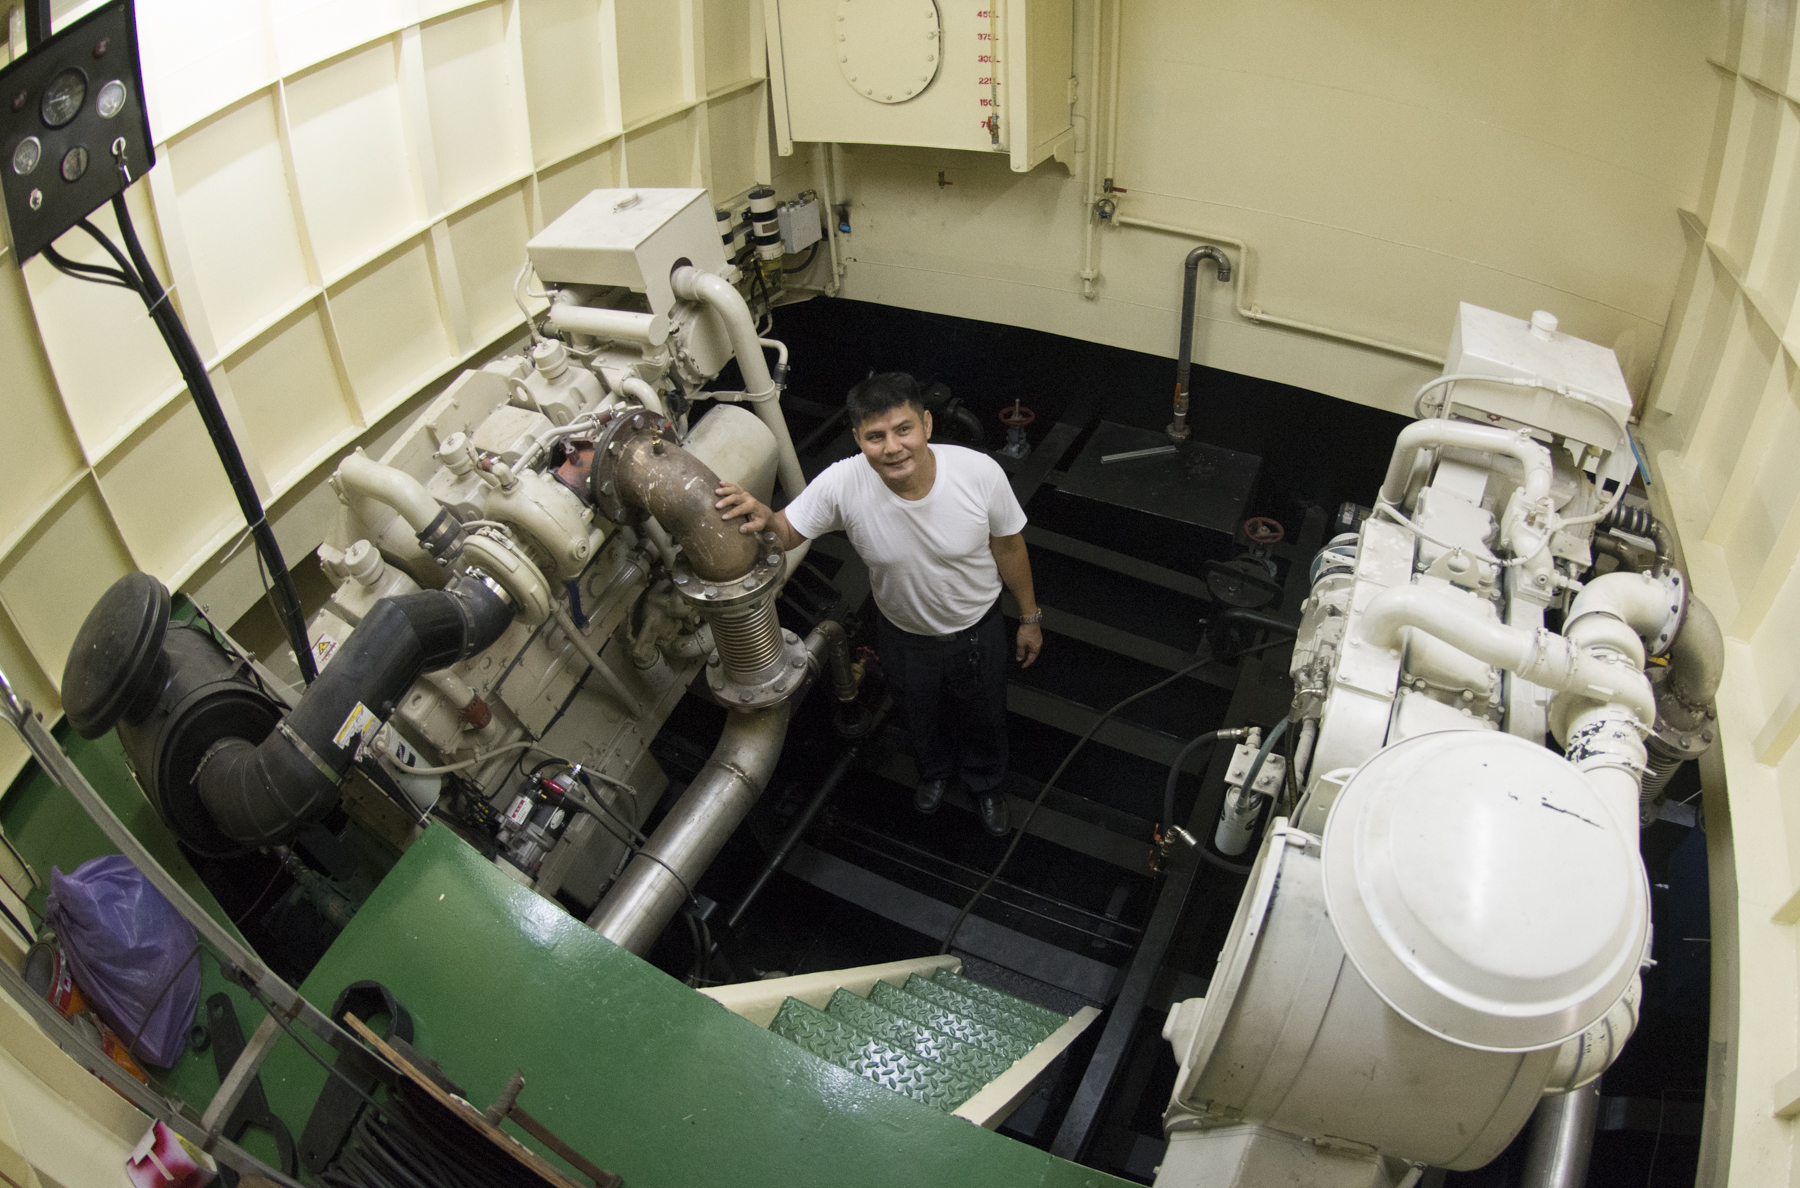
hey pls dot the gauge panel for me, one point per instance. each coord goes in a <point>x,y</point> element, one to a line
<point>74,131</point>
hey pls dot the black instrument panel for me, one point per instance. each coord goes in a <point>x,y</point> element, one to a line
<point>74,130</point>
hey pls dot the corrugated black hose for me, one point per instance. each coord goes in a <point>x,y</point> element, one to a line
<point>260,793</point>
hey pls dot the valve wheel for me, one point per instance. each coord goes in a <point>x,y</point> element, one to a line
<point>1263,531</point>
<point>1016,416</point>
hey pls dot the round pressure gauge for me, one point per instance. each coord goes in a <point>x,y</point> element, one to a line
<point>74,164</point>
<point>63,97</point>
<point>110,99</point>
<point>26,155</point>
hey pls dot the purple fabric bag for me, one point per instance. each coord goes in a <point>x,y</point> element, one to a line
<point>134,955</point>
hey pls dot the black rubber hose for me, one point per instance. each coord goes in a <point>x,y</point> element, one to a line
<point>1267,746</point>
<point>212,417</point>
<point>1639,522</point>
<point>1018,831</point>
<point>1202,848</point>
<point>1219,624</point>
<point>803,821</point>
<point>260,794</point>
<point>1168,817</point>
<point>811,255</point>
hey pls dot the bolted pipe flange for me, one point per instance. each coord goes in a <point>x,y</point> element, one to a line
<point>1676,587</point>
<point>609,443</point>
<point>757,663</point>
<point>765,687</point>
<point>755,585</point>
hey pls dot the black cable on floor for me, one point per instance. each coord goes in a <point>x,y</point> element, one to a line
<point>1019,832</point>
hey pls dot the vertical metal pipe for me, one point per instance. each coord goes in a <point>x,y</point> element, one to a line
<point>1562,1138</point>
<point>804,821</point>
<point>662,875</point>
<point>1178,428</point>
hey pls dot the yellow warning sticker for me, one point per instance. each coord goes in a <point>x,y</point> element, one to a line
<point>360,721</point>
<point>322,649</point>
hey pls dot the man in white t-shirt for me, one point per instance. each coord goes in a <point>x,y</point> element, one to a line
<point>940,530</point>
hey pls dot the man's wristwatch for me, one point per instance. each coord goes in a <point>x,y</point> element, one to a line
<point>1032,619</point>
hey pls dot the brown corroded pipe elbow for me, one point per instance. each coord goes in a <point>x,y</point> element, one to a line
<point>680,491</point>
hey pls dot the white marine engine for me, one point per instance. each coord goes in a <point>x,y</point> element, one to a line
<point>1447,927</point>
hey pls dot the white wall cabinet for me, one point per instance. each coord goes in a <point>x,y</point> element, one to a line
<point>984,75</point>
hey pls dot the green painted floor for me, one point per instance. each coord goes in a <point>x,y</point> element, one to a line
<point>641,1074</point>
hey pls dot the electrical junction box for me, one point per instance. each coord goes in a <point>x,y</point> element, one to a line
<point>799,222</point>
<point>633,238</point>
<point>984,75</point>
<point>1594,412</point>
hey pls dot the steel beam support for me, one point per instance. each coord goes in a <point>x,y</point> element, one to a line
<point>1252,701</point>
<point>1082,976</point>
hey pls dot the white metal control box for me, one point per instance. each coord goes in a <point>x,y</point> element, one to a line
<point>1592,407</point>
<point>985,75</point>
<point>633,238</point>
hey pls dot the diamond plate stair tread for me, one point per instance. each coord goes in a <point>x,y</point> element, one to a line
<point>909,1035</point>
<point>999,998</point>
<point>938,1018</point>
<point>854,1050</point>
<point>996,1017</point>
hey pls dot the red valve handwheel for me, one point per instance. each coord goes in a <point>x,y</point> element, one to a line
<point>1261,530</point>
<point>1016,416</point>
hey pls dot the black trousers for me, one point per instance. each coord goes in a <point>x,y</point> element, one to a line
<point>952,694</point>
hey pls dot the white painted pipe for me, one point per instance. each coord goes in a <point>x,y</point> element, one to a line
<point>723,299</point>
<point>361,475</point>
<point>1251,312</point>
<point>651,329</point>
<point>1608,747</point>
<point>1585,672</point>
<point>1640,601</point>
<point>1303,749</point>
<point>644,394</point>
<point>1423,434</point>
<point>1439,381</point>
<point>1090,159</point>
<point>822,182</point>
<point>1112,106</point>
<point>455,690</point>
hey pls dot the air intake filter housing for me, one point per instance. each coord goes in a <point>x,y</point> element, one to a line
<point>171,690</point>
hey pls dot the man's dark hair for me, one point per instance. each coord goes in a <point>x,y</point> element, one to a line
<point>882,393</point>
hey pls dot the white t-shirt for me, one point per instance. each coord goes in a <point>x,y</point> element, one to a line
<point>930,566</point>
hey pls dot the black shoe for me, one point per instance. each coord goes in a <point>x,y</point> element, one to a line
<point>991,804</point>
<point>930,794</point>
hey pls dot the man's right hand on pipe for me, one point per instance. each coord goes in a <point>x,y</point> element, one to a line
<point>735,503</point>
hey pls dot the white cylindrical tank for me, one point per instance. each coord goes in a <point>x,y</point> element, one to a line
<point>1405,983</point>
<point>738,447</point>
